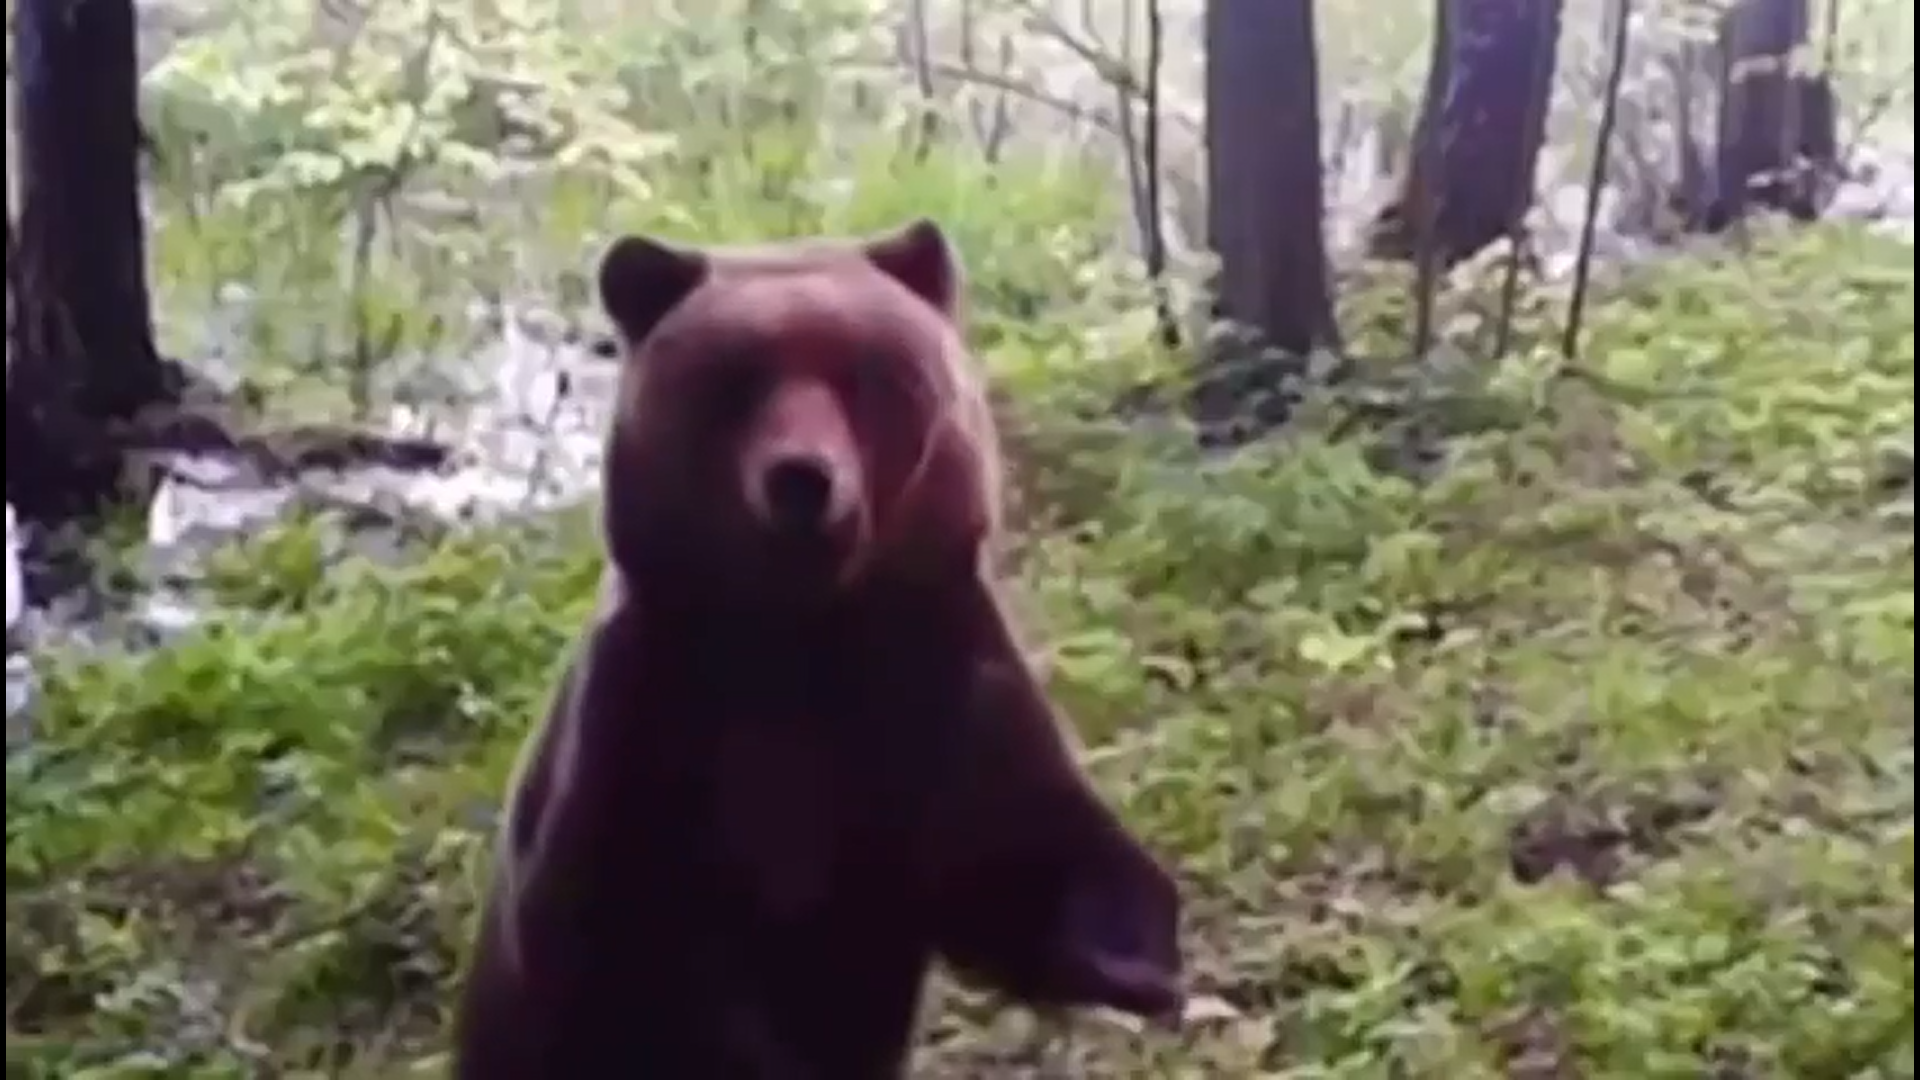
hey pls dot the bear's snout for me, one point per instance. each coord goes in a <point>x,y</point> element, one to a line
<point>798,493</point>
<point>802,472</point>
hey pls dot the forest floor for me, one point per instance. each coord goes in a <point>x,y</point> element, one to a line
<point>1588,753</point>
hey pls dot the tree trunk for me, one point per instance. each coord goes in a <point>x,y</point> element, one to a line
<point>1264,206</point>
<point>83,359</point>
<point>1777,136</point>
<point>1471,177</point>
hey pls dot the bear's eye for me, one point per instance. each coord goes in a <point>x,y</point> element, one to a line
<point>736,387</point>
<point>872,384</point>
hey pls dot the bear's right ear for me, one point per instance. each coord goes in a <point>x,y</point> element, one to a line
<point>642,279</point>
<point>919,256</point>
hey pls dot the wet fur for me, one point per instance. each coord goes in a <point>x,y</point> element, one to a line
<point>752,820</point>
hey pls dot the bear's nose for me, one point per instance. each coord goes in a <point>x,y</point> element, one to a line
<point>799,491</point>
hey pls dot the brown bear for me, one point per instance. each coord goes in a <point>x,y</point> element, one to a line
<point>799,754</point>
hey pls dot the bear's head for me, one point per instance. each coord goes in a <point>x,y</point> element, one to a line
<point>795,419</point>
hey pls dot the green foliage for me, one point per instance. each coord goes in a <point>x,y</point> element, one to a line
<point>499,146</point>
<point>1561,724</point>
<point>1595,748</point>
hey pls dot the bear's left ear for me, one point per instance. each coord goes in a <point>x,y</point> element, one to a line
<point>919,257</point>
<point>642,280</point>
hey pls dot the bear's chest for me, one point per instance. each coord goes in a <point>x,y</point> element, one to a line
<point>804,825</point>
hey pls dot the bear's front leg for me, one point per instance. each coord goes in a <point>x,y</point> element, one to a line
<point>599,953</point>
<point>1038,888</point>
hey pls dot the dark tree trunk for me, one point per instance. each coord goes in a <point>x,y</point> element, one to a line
<point>83,358</point>
<point>1264,206</point>
<point>1777,139</point>
<point>1471,175</point>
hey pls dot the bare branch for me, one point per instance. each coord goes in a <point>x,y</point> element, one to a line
<point>1622,12</point>
<point>1110,69</point>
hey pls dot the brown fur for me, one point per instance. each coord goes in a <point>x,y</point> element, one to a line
<point>781,776</point>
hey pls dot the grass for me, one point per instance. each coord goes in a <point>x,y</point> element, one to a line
<point>1589,755</point>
